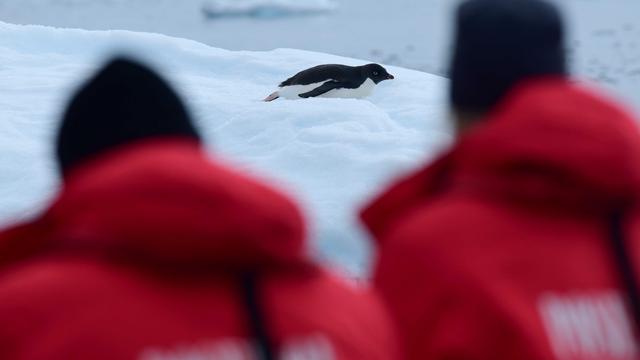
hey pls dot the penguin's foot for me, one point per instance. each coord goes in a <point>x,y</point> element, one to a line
<point>272,97</point>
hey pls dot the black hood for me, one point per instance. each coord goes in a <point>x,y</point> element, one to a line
<point>500,43</point>
<point>124,102</point>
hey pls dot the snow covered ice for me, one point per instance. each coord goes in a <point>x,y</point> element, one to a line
<point>266,8</point>
<point>410,33</point>
<point>333,154</point>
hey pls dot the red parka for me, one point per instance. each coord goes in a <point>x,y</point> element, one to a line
<point>503,248</point>
<point>146,254</point>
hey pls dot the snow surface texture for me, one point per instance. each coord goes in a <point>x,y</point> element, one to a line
<point>604,34</point>
<point>332,153</point>
<point>266,8</point>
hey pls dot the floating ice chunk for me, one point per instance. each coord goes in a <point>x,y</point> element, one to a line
<point>266,8</point>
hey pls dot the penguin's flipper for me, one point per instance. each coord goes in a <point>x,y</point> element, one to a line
<point>323,89</point>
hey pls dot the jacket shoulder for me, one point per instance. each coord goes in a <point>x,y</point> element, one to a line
<point>428,276</point>
<point>351,315</point>
<point>94,302</point>
<point>450,221</point>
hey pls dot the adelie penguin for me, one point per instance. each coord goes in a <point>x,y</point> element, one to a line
<point>332,81</point>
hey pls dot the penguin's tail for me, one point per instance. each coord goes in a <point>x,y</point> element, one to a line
<point>272,97</point>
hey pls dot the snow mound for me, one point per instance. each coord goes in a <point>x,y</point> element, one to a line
<point>331,153</point>
<point>266,8</point>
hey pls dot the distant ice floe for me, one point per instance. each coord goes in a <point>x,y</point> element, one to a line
<point>266,8</point>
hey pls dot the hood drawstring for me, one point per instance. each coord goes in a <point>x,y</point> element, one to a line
<point>625,265</point>
<point>264,346</point>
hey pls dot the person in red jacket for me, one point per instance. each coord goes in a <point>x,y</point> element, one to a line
<point>521,241</point>
<point>154,251</point>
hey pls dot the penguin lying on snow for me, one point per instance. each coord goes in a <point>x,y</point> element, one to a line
<point>333,81</point>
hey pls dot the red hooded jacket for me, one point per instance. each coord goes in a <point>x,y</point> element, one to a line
<point>146,255</point>
<point>502,249</point>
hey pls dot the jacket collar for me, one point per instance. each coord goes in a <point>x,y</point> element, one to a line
<point>165,202</point>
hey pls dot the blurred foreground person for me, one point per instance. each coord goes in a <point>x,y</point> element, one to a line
<point>152,251</point>
<point>518,243</point>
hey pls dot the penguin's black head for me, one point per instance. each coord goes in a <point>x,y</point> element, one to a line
<point>376,73</point>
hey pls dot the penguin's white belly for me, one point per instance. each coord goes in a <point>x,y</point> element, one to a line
<point>293,92</point>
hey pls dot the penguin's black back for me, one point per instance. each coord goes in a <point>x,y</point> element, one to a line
<point>322,73</point>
